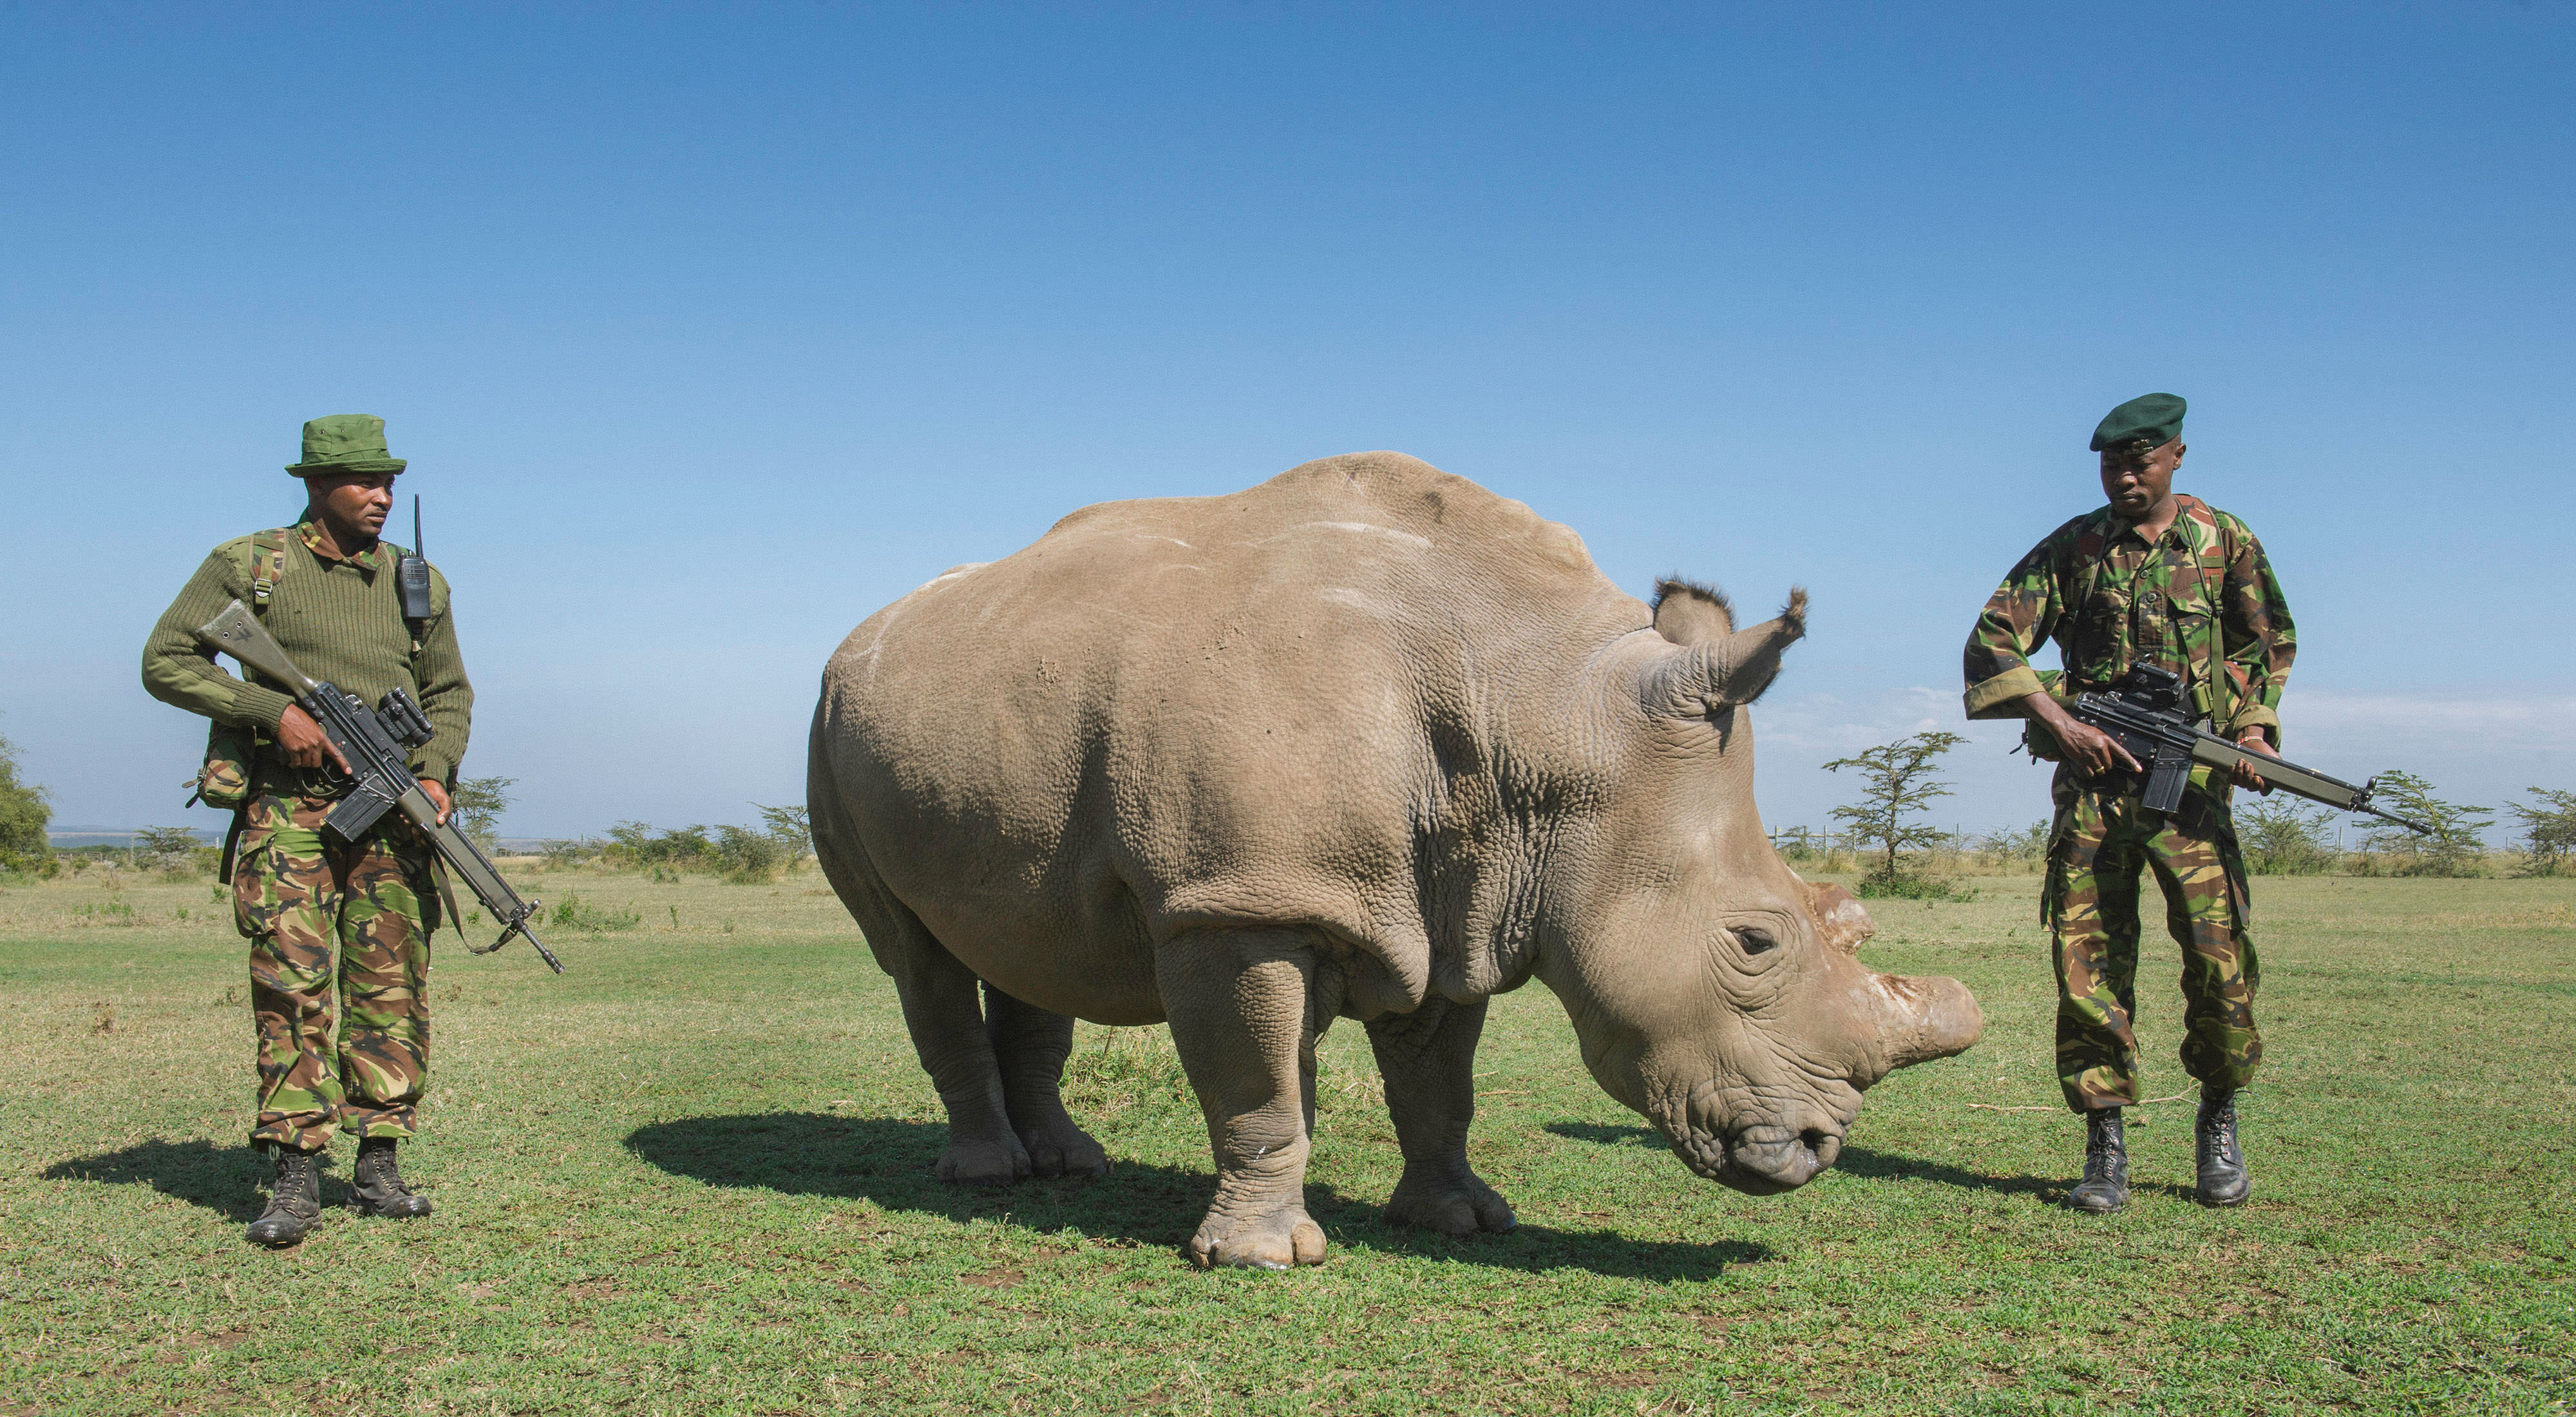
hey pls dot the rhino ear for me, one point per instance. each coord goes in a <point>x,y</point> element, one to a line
<point>1841,921</point>
<point>1688,613</point>
<point>1719,666</point>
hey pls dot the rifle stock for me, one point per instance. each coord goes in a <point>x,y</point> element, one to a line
<point>238,633</point>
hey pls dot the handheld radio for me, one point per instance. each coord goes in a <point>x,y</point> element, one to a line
<point>411,578</point>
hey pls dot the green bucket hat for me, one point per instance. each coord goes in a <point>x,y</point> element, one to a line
<point>345,442</point>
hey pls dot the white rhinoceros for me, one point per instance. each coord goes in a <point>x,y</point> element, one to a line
<point>1363,741</point>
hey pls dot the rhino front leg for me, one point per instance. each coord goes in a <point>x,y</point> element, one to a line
<point>1428,1059</point>
<point>1030,1045</point>
<point>1237,1000</point>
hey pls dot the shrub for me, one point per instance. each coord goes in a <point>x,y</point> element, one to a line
<point>2282,838</point>
<point>749,857</point>
<point>24,811</point>
<point>1912,885</point>
<point>172,851</point>
<point>564,854</point>
<point>574,913</point>
<point>637,844</point>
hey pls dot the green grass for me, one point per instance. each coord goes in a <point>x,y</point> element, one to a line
<point>693,1175</point>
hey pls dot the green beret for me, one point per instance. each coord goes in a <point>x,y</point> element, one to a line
<point>2147,421</point>
<point>345,442</point>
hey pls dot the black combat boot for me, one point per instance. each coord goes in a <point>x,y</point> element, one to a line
<point>294,1203</point>
<point>2222,1162</point>
<point>376,1184</point>
<point>2105,1187</point>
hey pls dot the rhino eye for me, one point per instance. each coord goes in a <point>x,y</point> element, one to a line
<point>1756,940</point>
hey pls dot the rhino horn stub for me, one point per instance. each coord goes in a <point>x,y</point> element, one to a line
<point>1718,668</point>
<point>1842,922</point>
<point>1924,1018</point>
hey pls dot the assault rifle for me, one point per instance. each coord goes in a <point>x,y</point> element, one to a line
<point>2144,713</point>
<point>379,770</point>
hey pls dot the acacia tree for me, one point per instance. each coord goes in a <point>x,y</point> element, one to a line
<point>165,847</point>
<point>476,808</point>
<point>2548,830</point>
<point>1897,782</point>
<point>2455,847</point>
<point>793,828</point>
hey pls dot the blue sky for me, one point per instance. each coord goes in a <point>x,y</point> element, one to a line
<point>710,330</point>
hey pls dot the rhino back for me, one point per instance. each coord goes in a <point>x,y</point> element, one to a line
<point>1266,707</point>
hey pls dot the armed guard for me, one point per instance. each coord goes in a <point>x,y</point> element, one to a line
<point>371,617</point>
<point>2163,580</point>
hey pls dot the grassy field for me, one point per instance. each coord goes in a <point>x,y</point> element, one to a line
<point>692,1175</point>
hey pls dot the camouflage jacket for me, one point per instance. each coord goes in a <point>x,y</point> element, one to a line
<point>2202,602</point>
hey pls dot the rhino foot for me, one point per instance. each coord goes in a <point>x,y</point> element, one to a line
<point>984,1163</point>
<point>1450,1206</point>
<point>1280,1239</point>
<point>1063,1149</point>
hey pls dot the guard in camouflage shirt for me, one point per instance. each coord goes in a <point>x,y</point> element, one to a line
<point>2153,578</point>
<point>319,912</point>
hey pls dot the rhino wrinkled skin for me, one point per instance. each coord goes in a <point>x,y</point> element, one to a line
<point>1363,741</point>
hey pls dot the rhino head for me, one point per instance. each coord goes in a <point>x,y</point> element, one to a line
<point>1714,991</point>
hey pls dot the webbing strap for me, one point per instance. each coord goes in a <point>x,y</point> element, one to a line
<point>2222,689</point>
<point>267,563</point>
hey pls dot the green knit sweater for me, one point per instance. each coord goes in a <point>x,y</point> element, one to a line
<point>338,620</point>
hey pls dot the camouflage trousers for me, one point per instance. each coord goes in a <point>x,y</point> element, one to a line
<point>2104,837</point>
<point>319,914</point>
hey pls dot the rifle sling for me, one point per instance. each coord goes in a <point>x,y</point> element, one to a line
<point>446,892</point>
<point>232,844</point>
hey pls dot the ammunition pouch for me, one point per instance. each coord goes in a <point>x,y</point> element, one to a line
<point>232,754</point>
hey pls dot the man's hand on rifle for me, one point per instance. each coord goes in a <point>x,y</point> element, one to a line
<point>2094,752</point>
<point>2255,739</point>
<point>304,742</point>
<point>306,745</point>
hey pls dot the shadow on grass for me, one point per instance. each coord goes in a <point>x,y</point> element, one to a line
<point>224,1179</point>
<point>1857,1160</point>
<point>889,1161</point>
<point>1880,1166</point>
<point>1608,1135</point>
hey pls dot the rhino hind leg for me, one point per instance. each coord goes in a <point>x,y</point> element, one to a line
<point>939,1011</point>
<point>1428,1060</point>
<point>1238,1005</point>
<point>1030,1045</point>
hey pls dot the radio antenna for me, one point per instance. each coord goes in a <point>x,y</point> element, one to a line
<point>415,526</point>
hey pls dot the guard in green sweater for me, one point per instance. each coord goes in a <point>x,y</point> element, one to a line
<point>318,912</point>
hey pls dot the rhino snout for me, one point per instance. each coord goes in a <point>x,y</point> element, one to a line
<point>1765,1160</point>
<point>1759,1158</point>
